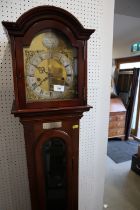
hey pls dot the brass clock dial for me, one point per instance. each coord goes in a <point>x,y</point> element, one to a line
<point>50,68</point>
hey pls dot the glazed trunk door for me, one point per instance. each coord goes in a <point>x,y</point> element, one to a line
<point>54,170</point>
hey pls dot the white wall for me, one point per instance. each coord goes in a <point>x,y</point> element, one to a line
<point>102,116</point>
<point>126,32</point>
<point>14,190</point>
<point>123,50</point>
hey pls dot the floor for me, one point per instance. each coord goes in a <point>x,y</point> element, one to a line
<point>122,187</point>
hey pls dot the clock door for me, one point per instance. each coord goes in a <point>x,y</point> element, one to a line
<point>54,170</point>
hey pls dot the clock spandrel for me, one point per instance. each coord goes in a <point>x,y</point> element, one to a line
<point>50,64</point>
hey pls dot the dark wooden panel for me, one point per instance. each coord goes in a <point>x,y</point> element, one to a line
<point>131,103</point>
<point>117,118</point>
<point>124,83</point>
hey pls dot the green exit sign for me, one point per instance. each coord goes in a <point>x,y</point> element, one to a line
<point>135,47</point>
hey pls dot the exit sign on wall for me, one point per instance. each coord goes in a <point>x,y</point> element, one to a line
<point>135,47</point>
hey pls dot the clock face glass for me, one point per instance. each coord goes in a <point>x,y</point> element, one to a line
<point>50,65</point>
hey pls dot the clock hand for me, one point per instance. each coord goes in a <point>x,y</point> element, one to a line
<point>35,66</point>
<point>43,81</point>
<point>35,85</point>
<point>46,72</point>
<point>40,69</point>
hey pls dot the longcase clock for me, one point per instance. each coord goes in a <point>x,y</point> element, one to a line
<point>49,55</point>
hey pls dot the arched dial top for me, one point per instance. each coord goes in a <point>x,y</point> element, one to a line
<point>50,67</point>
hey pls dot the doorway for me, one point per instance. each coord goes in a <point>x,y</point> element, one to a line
<point>122,185</point>
<point>125,66</point>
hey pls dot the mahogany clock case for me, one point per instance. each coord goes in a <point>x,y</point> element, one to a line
<point>51,126</point>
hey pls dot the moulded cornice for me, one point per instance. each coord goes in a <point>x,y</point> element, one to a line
<point>41,13</point>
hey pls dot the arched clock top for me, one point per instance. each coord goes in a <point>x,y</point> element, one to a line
<point>41,13</point>
<point>45,25</point>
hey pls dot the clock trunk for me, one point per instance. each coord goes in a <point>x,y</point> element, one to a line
<point>52,159</point>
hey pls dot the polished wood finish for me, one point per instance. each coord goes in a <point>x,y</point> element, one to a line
<point>33,115</point>
<point>116,105</point>
<point>117,118</point>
